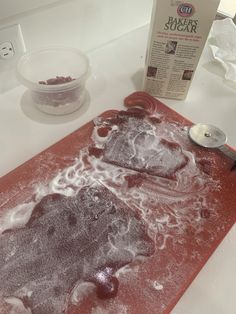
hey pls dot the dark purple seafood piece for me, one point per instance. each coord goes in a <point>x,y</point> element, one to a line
<point>67,241</point>
<point>133,146</point>
<point>57,80</point>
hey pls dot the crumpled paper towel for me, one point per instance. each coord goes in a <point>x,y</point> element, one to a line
<point>223,46</point>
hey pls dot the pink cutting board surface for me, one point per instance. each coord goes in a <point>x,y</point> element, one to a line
<point>187,216</point>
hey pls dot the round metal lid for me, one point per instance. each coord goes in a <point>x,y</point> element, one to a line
<point>207,135</point>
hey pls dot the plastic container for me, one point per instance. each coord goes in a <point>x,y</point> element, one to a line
<point>56,78</point>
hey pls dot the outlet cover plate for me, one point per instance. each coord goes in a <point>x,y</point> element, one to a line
<point>13,35</point>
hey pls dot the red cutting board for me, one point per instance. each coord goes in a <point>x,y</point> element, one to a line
<point>187,222</point>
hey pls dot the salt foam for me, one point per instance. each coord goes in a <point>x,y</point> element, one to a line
<point>178,201</point>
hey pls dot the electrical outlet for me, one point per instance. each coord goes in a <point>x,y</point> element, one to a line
<point>11,46</point>
<point>6,50</point>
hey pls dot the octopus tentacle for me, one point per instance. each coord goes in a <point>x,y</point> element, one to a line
<point>143,100</point>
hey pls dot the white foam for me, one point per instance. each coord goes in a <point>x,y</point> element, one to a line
<point>178,194</point>
<point>16,217</point>
<point>167,206</point>
<point>115,307</point>
<point>81,291</point>
<point>157,286</point>
<point>17,306</point>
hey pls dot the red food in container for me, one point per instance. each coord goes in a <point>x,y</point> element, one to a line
<point>56,79</point>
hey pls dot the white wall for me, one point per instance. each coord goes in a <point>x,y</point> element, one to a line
<point>85,24</point>
<point>11,7</point>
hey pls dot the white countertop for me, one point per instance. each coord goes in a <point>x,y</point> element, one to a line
<point>117,72</point>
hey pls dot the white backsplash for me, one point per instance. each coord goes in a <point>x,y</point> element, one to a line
<point>12,7</point>
<point>85,24</point>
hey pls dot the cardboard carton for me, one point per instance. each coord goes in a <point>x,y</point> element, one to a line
<point>178,33</point>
